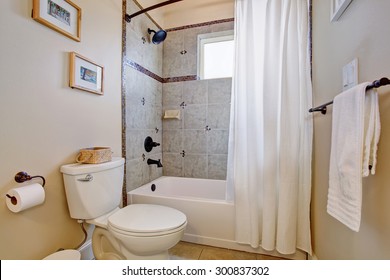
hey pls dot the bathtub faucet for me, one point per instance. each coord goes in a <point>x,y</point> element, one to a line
<point>152,161</point>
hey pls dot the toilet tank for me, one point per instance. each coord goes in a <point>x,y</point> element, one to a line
<point>93,190</point>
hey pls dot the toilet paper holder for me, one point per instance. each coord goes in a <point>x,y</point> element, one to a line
<point>22,177</point>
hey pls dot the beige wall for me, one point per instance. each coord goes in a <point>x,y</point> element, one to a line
<point>43,122</point>
<point>361,32</point>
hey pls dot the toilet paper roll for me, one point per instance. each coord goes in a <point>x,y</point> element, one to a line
<point>19,199</point>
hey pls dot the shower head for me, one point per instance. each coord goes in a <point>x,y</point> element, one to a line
<point>158,36</point>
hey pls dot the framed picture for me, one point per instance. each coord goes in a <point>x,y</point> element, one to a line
<point>85,74</point>
<point>60,15</point>
<point>337,8</point>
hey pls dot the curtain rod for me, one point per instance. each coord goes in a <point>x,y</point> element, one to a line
<point>375,84</point>
<point>129,17</point>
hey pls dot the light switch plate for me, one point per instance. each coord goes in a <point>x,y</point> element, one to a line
<point>350,74</point>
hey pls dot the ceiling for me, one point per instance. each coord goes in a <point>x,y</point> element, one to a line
<point>188,12</point>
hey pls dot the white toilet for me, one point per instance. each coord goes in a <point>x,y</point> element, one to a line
<point>135,232</point>
<point>68,254</point>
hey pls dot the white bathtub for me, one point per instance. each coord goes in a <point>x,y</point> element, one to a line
<point>210,218</point>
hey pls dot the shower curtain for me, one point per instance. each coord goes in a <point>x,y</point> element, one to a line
<point>270,142</point>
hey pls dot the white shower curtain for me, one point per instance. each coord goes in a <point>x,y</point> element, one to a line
<point>269,165</point>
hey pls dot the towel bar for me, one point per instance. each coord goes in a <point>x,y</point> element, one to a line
<point>376,84</point>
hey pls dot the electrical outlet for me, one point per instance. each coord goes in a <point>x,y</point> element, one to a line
<point>350,74</point>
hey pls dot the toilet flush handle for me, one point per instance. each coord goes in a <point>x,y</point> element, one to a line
<point>87,178</point>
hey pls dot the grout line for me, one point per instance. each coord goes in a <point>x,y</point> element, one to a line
<point>201,252</point>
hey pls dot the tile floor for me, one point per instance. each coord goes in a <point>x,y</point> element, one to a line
<point>191,251</point>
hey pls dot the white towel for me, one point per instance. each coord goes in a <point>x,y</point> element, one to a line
<point>372,129</point>
<point>355,135</point>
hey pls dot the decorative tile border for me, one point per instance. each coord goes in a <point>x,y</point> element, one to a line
<point>200,24</point>
<point>181,79</point>
<point>140,68</point>
<point>123,103</point>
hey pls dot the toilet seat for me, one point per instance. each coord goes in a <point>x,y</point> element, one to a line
<point>146,220</point>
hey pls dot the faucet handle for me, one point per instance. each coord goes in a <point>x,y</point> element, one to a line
<point>149,144</point>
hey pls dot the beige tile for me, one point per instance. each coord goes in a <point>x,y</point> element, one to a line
<point>212,253</point>
<point>191,251</point>
<point>185,251</point>
<point>269,258</point>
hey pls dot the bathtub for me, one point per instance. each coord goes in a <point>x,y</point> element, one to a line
<point>210,218</point>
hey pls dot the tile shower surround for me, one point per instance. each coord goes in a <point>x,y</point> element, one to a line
<point>161,77</point>
<point>197,144</point>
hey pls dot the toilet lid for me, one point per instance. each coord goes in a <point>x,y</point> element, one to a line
<point>147,218</point>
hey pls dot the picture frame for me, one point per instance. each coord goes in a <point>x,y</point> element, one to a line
<point>337,8</point>
<point>85,74</point>
<point>62,16</point>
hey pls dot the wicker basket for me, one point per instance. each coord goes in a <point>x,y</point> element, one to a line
<point>94,155</point>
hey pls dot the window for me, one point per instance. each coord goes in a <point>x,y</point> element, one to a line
<point>215,55</point>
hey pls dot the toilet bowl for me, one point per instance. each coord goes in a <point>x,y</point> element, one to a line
<point>64,255</point>
<point>137,231</point>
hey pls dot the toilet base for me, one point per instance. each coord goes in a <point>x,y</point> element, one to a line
<point>106,247</point>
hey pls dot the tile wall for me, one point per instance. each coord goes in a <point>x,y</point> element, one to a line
<point>162,77</point>
<point>195,146</point>
<point>143,99</point>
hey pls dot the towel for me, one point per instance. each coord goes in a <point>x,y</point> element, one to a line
<point>372,129</point>
<point>355,136</point>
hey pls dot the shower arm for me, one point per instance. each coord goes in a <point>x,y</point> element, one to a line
<point>129,17</point>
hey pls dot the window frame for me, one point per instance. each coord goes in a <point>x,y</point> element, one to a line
<point>207,38</point>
